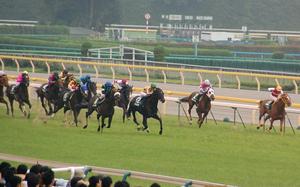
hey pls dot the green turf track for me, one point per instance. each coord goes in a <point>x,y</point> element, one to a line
<point>225,153</point>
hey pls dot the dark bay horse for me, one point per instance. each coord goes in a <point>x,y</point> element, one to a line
<point>104,110</point>
<point>124,99</point>
<point>79,100</point>
<point>4,83</point>
<point>277,111</point>
<point>20,94</point>
<point>203,105</point>
<point>148,109</point>
<point>49,95</point>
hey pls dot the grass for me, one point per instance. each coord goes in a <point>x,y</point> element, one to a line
<point>225,153</point>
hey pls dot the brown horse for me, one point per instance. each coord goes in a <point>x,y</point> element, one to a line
<point>277,111</point>
<point>203,106</point>
<point>4,83</point>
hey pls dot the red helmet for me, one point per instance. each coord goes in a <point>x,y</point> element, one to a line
<point>124,81</point>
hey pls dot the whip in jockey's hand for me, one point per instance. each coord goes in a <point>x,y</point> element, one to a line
<point>204,87</point>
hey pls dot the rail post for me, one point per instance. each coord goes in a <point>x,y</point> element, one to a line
<point>130,74</point>
<point>48,67</point>
<point>258,83</point>
<point>2,64</point>
<point>296,86</point>
<point>200,77</point>
<point>182,77</point>
<point>32,65</point>
<point>219,80</point>
<point>113,73</point>
<point>63,66</point>
<point>277,82</point>
<point>147,75</point>
<point>80,69</point>
<point>238,82</point>
<point>165,76</point>
<point>18,65</point>
<point>96,71</point>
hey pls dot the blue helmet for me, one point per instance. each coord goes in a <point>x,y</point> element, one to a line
<point>108,84</point>
<point>82,79</point>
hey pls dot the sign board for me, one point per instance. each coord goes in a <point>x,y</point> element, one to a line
<point>147,16</point>
<point>195,38</point>
<point>175,17</point>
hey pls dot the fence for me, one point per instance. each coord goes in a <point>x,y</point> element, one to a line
<point>123,66</point>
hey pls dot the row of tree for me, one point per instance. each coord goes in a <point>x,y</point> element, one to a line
<point>256,14</point>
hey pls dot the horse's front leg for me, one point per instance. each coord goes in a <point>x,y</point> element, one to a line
<point>98,119</point>
<point>29,110</point>
<point>5,102</point>
<point>203,118</point>
<point>260,124</point>
<point>11,102</point>
<point>22,108</point>
<point>160,123</point>
<point>146,128</point>
<point>134,120</point>
<point>43,104</point>
<point>87,115</point>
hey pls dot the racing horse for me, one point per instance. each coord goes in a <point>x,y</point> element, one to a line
<point>4,83</point>
<point>20,94</point>
<point>124,99</point>
<point>148,108</point>
<point>277,111</point>
<point>104,110</point>
<point>203,105</point>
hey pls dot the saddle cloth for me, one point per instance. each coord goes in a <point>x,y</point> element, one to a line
<point>138,101</point>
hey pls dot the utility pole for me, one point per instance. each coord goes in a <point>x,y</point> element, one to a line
<point>91,17</point>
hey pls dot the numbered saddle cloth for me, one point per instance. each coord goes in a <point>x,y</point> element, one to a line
<point>138,101</point>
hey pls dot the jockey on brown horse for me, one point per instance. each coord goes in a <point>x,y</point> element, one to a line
<point>202,100</point>
<point>3,83</point>
<point>277,111</point>
<point>66,77</point>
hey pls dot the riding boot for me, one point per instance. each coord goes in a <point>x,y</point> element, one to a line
<point>195,99</point>
<point>269,105</point>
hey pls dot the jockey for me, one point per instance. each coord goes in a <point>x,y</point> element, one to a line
<point>122,83</point>
<point>275,92</point>
<point>85,80</point>
<point>204,87</point>
<point>148,90</point>
<point>72,86</point>
<point>106,88</point>
<point>21,79</point>
<point>63,74</point>
<point>53,78</point>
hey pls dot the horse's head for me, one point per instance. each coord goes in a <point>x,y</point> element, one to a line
<point>285,99</point>
<point>211,94</point>
<point>158,92</point>
<point>4,80</point>
<point>92,86</point>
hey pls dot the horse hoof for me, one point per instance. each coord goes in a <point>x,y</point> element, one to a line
<point>257,127</point>
<point>28,116</point>
<point>160,132</point>
<point>52,115</point>
<point>98,129</point>
<point>84,127</point>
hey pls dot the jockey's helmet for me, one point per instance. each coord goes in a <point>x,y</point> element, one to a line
<point>124,81</point>
<point>108,84</point>
<point>278,88</point>
<point>87,77</point>
<point>82,79</point>
<point>65,72</point>
<point>153,85</point>
<point>25,72</point>
<point>207,82</point>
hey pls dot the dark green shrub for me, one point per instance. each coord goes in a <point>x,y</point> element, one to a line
<point>159,53</point>
<point>278,55</point>
<point>85,47</point>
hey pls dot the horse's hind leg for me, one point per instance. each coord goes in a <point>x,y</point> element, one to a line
<point>43,104</point>
<point>87,114</point>
<point>135,121</point>
<point>124,113</point>
<point>2,100</point>
<point>160,123</point>
<point>11,102</point>
<point>190,111</point>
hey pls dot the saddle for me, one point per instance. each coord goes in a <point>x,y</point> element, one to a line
<point>44,88</point>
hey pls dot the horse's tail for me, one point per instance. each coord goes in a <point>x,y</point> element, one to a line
<point>128,111</point>
<point>184,99</point>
